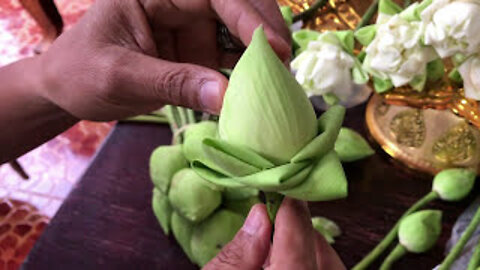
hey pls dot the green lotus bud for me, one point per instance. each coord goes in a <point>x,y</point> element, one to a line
<point>454,184</point>
<point>182,229</point>
<point>276,133</point>
<point>351,146</point>
<point>419,231</point>
<point>327,228</point>
<point>193,197</point>
<point>287,15</point>
<point>165,161</point>
<point>242,206</point>
<point>162,209</point>
<point>194,135</point>
<point>210,236</point>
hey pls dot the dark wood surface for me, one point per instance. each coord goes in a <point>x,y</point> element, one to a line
<point>107,223</point>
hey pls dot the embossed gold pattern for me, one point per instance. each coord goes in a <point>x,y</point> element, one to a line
<point>457,145</point>
<point>408,128</point>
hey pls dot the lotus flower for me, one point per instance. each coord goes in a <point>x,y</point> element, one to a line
<point>268,137</point>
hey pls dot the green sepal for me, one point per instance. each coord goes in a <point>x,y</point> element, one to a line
<point>194,136</point>
<point>382,86</point>
<point>418,82</point>
<point>359,75</point>
<point>422,6</point>
<point>287,14</point>
<point>243,206</point>
<point>454,184</point>
<point>165,161</point>
<point>210,236</point>
<point>455,76</point>
<point>162,210</point>
<point>365,35</point>
<point>182,229</point>
<point>330,99</point>
<point>193,197</point>
<point>327,228</point>
<point>351,146</point>
<point>325,182</point>
<point>361,56</point>
<point>411,13</point>
<point>347,40</point>
<point>388,7</point>
<point>435,70</point>
<point>458,59</point>
<point>329,125</point>
<point>303,37</point>
<point>418,232</point>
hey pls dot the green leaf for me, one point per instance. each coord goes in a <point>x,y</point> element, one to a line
<point>388,7</point>
<point>264,107</point>
<point>287,14</point>
<point>303,37</point>
<point>418,232</point>
<point>418,82</point>
<point>192,196</point>
<point>365,35</point>
<point>454,184</point>
<point>435,70</point>
<point>325,182</point>
<point>351,146</point>
<point>328,128</point>
<point>455,76</point>
<point>165,161</point>
<point>381,86</point>
<point>162,210</point>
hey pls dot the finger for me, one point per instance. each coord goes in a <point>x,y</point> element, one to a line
<point>327,258</point>
<point>293,240</point>
<point>249,248</point>
<point>242,19</point>
<point>154,80</point>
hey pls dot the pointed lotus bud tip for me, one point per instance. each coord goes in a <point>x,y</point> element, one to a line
<point>264,107</point>
<point>454,184</point>
<point>419,231</point>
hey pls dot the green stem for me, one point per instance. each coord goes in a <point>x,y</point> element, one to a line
<point>475,260</point>
<point>406,3</point>
<point>191,116</point>
<point>147,119</point>
<point>396,254</point>
<point>457,249</point>
<point>273,201</point>
<point>368,15</point>
<point>392,234</point>
<point>183,116</point>
<point>310,12</point>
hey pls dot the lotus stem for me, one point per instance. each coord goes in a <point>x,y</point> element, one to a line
<point>475,260</point>
<point>191,116</point>
<point>147,119</point>
<point>406,3</point>
<point>457,249</point>
<point>310,12</point>
<point>396,254</point>
<point>392,234</point>
<point>183,116</point>
<point>273,201</point>
<point>368,15</point>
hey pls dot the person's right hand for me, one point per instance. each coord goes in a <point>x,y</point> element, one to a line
<point>296,245</point>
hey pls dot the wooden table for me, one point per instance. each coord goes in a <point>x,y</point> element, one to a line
<point>107,222</point>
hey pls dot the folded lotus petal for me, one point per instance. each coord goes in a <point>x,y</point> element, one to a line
<point>242,153</point>
<point>326,181</point>
<point>233,194</point>
<point>194,135</point>
<point>182,230</point>
<point>215,177</point>
<point>278,178</point>
<point>351,146</point>
<point>162,210</point>
<point>329,125</point>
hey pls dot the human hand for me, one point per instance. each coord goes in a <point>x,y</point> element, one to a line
<point>130,57</point>
<point>296,245</point>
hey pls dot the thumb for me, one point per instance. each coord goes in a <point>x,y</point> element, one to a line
<point>182,84</point>
<point>249,249</point>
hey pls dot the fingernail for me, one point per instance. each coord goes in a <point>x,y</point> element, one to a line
<point>253,222</point>
<point>210,97</point>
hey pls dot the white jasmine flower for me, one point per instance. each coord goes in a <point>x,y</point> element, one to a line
<point>470,71</point>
